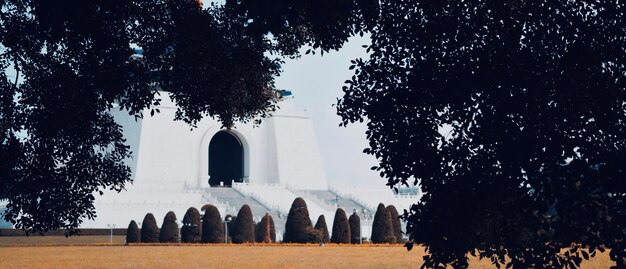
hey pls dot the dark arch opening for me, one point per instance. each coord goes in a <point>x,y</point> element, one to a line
<point>225,159</point>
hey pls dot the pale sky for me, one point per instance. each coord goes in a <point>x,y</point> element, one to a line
<point>316,82</point>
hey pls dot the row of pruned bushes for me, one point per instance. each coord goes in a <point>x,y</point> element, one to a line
<point>386,227</point>
<point>208,228</point>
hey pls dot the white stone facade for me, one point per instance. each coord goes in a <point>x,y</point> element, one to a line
<point>170,161</point>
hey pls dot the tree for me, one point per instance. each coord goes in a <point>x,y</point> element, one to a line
<point>72,64</point>
<point>132,233</point>
<point>355,228</point>
<point>382,229</point>
<point>298,227</point>
<point>395,223</point>
<point>265,230</point>
<point>509,116</point>
<point>149,229</point>
<point>191,230</point>
<point>169,230</point>
<point>243,226</point>
<point>341,228</point>
<point>212,227</point>
<point>321,226</point>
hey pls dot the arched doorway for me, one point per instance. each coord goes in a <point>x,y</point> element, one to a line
<point>226,160</point>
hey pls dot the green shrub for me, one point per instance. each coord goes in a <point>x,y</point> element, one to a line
<point>298,228</point>
<point>132,233</point>
<point>265,231</point>
<point>355,228</point>
<point>149,229</point>
<point>321,226</point>
<point>243,226</point>
<point>192,225</point>
<point>395,223</point>
<point>212,226</point>
<point>341,228</point>
<point>169,230</point>
<point>382,229</point>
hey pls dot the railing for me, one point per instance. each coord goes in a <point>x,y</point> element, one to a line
<point>354,198</point>
<point>244,189</point>
<point>316,199</point>
<point>227,208</point>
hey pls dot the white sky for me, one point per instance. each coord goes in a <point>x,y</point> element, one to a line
<point>316,82</point>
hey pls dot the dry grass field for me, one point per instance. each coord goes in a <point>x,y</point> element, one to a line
<point>223,256</point>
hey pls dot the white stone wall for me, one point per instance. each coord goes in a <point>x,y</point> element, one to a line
<point>170,160</point>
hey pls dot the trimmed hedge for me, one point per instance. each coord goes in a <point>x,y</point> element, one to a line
<point>265,230</point>
<point>395,223</point>
<point>149,229</point>
<point>382,229</point>
<point>243,227</point>
<point>341,228</point>
<point>390,237</point>
<point>212,226</point>
<point>298,228</point>
<point>132,233</point>
<point>355,228</point>
<point>321,226</point>
<point>169,230</point>
<point>192,225</point>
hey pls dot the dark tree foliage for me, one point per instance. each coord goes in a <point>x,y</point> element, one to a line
<point>265,230</point>
<point>341,228</point>
<point>382,229</point>
<point>395,223</point>
<point>132,233</point>
<point>212,226</point>
<point>323,24</point>
<point>355,228</point>
<point>149,229</point>
<point>321,226</point>
<point>243,226</point>
<point>298,227</point>
<point>169,230</point>
<point>192,226</point>
<point>509,115</point>
<point>67,65</point>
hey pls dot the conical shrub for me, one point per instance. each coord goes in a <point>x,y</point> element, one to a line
<point>212,226</point>
<point>266,231</point>
<point>132,233</point>
<point>149,229</point>
<point>355,228</point>
<point>169,230</point>
<point>321,226</point>
<point>395,223</point>
<point>341,228</point>
<point>243,227</point>
<point>192,225</point>
<point>382,231</point>
<point>389,236</point>
<point>298,228</point>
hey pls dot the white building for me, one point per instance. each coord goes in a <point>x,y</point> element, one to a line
<point>266,166</point>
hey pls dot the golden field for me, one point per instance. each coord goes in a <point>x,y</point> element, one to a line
<point>225,256</point>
